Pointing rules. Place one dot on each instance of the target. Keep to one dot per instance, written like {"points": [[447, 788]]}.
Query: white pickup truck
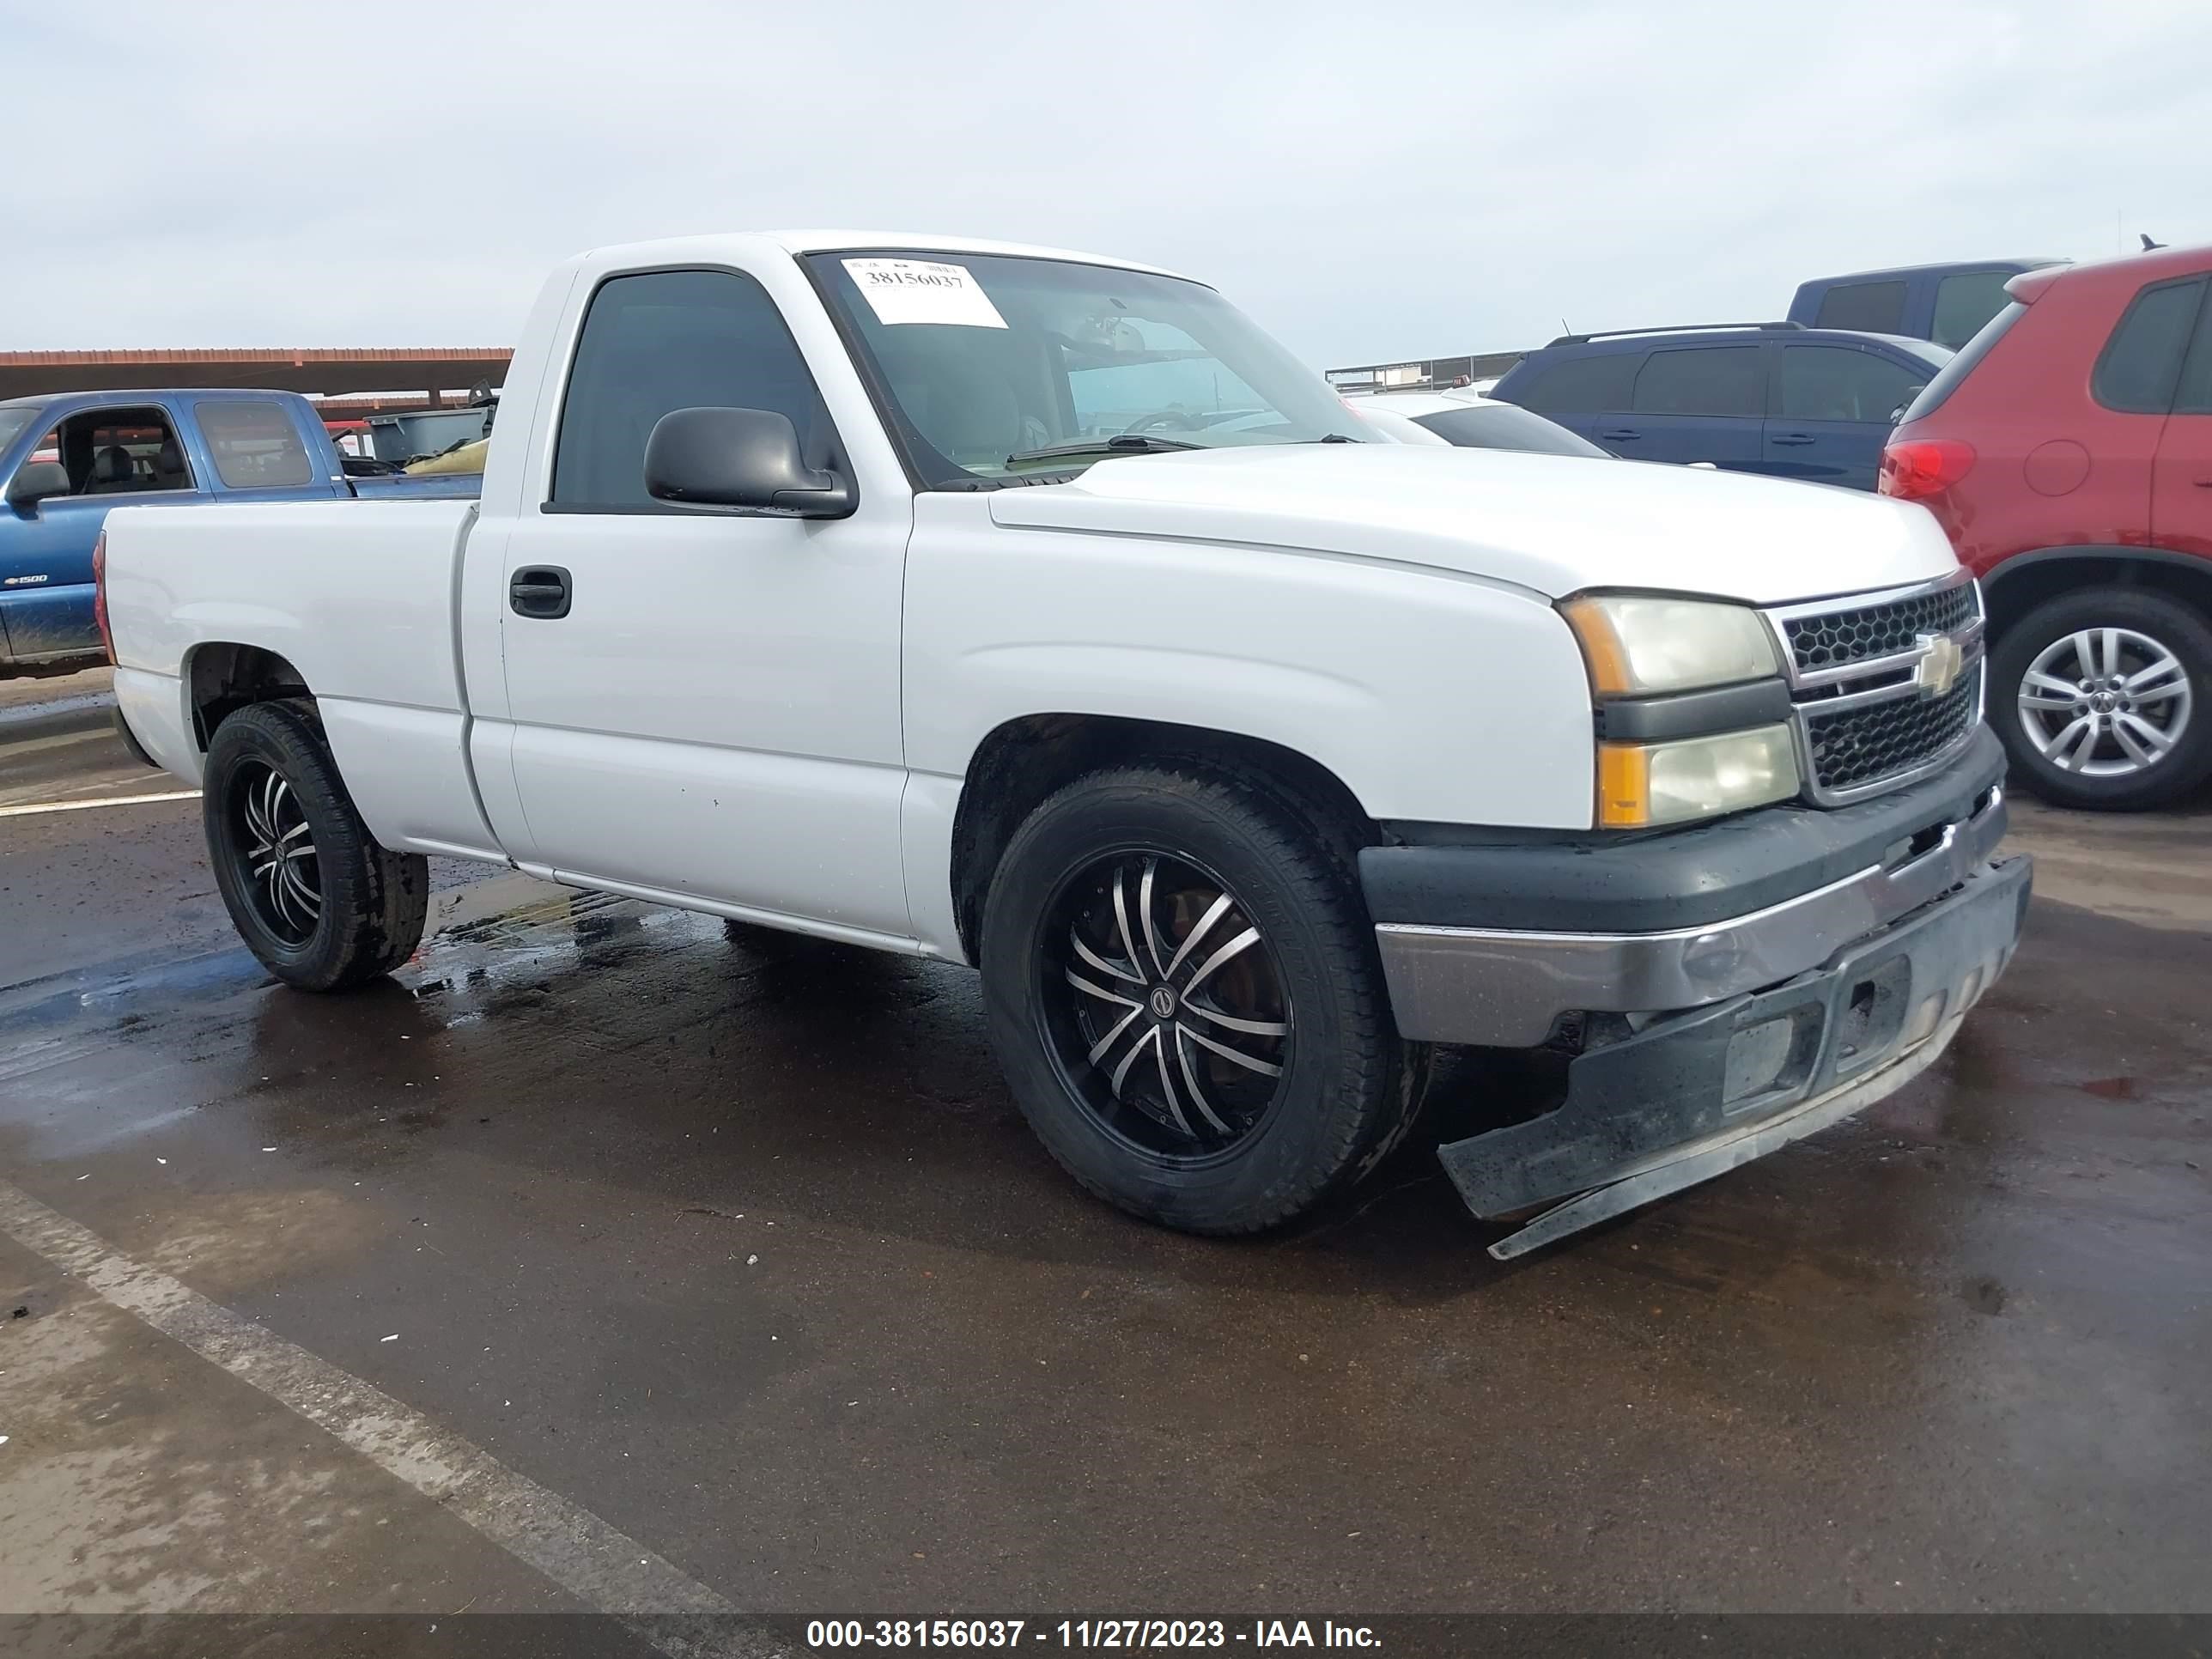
{"points": [[1037, 612]]}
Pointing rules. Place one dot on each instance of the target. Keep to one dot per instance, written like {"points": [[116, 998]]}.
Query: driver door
{"points": [[714, 711]]}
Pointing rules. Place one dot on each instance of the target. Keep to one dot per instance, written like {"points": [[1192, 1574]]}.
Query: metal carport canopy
{"points": [[314, 369]]}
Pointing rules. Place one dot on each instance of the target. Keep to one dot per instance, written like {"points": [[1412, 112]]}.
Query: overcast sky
{"points": [[1372, 180]]}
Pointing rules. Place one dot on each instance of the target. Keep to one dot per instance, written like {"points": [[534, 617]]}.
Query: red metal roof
{"points": [[312, 369]]}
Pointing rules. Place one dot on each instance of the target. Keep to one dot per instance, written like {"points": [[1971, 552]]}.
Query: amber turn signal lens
{"points": [[1624, 786], [1645, 785]]}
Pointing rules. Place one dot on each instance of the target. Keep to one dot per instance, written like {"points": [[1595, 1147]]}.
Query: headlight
{"points": [[1637, 645], [1643, 784]]}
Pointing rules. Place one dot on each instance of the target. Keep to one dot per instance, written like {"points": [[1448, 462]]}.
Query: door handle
{"points": [[539, 591], [1790, 437], [1619, 435]]}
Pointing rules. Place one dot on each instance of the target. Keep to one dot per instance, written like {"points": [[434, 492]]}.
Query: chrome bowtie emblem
{"points": [[1941, 659]]}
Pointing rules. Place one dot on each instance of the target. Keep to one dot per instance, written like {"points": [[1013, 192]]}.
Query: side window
{"points": [[1871, 307], [1965, 302], [666, 340], [2194, 395], [2136, 371], [1579, 386], [254, 445], [118, 451], [1835, 383], [1702, 380]]}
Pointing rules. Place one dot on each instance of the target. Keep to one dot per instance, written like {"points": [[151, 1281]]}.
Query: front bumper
{"points": [[1692, 1096], [1804, 883], [1724, 991]]}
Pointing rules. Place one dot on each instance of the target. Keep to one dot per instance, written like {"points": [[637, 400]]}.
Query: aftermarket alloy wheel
{"points": [[310, 891], [2097, 696], [1169, 1018], [1184, 993], [272, 835]]}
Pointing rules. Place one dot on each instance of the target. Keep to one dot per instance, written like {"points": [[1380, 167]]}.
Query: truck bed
{"points": [[358, 596]]}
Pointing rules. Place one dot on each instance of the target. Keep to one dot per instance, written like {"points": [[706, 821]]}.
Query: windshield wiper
{"points": [[1121, 443]]}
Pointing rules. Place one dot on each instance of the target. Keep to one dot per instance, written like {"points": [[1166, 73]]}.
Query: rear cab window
{"points": [[254, 445], [1868, 307], [1964, 301]]}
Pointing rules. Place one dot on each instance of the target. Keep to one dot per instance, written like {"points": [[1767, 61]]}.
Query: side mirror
{"points": [[35, 482], [741, 459]]}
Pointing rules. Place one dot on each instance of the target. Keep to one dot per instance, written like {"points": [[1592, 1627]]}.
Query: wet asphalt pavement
{"points": [[736, 1245]]}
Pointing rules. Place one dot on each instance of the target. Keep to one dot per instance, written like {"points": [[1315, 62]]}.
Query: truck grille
{"points": [[1884, 689], [1837, 639], [1878, 740]]}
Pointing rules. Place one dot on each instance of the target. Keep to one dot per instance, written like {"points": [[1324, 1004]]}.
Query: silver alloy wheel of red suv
{"points": [[2094, 694]]}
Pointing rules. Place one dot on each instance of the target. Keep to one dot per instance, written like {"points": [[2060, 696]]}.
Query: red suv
{"points": [[2068, 450]]}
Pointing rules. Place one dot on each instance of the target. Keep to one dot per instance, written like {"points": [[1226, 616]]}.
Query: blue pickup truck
{"points": [[1946, 304], [68, 458]]}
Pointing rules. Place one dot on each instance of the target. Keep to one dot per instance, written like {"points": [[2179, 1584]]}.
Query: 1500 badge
{"points": [[22, 581]]}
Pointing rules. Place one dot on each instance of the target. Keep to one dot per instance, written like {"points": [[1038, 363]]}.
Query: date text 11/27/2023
{"points": [[1137, 1633]]}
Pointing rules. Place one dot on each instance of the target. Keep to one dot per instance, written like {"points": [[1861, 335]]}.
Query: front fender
{"points": [[1432, 695]]}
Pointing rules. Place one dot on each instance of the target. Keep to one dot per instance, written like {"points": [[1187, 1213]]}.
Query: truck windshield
{"points": [[12, 422], [984, 362]]}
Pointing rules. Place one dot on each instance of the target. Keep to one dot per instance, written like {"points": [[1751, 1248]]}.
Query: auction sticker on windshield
{"points": [[923, 291]]}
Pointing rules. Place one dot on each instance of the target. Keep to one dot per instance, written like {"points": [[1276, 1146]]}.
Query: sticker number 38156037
{"points": [[923, 291]]}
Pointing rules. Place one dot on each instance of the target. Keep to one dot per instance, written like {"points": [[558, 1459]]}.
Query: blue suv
{"points": [[1780, 398]]}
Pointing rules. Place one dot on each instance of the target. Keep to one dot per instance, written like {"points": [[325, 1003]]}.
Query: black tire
{"points": [[353, 910], [1347, 1088], [2141, 615]]}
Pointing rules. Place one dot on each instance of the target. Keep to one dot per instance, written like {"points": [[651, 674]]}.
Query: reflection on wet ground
{"points": [[737, 1240]]}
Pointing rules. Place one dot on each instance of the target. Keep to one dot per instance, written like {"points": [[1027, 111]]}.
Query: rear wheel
{"points": [[1184, 993], [2097, 695], [310, 891]]}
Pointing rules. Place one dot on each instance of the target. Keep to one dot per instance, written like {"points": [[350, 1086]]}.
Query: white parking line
{"points": [[582, 1554], [60, 740], [28, 808]]}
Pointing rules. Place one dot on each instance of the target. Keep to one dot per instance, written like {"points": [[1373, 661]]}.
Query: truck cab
{"points": [[1946, 303]]}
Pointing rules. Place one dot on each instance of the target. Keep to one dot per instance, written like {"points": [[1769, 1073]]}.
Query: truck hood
{"points": [[1552, 524]]}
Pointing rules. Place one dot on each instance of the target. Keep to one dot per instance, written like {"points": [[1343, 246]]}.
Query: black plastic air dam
{"points": [[1650, 1115], [1679, 878]]}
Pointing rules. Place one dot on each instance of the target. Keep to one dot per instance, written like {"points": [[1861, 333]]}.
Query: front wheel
{"points": [[310, 891], [1184, 993], [2096, 696]]}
